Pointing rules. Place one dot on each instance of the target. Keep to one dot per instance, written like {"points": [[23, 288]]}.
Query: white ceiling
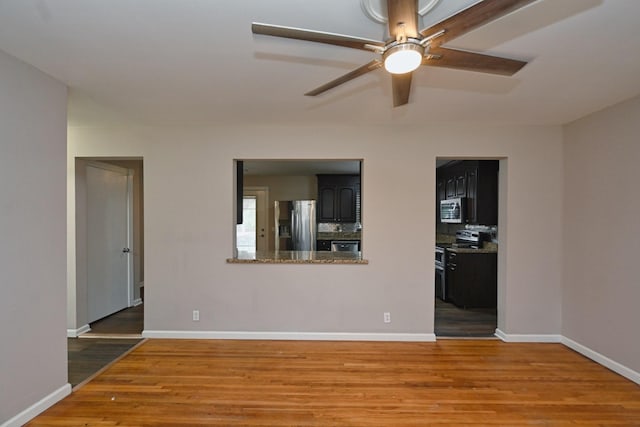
{"points": [[196, 61]]}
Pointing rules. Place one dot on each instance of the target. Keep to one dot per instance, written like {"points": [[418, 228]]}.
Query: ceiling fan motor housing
{"points": [[401, 58]]}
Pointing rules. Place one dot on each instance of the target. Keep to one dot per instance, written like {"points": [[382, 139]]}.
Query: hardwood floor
{"points": [[314, 383], [451, 321]]}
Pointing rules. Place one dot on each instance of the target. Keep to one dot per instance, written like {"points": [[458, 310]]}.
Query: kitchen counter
{"points": [[488, 250], [344, 235], [298, 257]]}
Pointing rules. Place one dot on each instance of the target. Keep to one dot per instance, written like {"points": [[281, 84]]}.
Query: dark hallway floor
{"points": [[451, 321], [129, 321], [86, 357], [108, 339]]}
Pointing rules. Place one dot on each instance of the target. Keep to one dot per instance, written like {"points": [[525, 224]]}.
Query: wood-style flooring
{"points": [[451, 321], [87, 356], [108, 339], [315, 383], [129, 321]]}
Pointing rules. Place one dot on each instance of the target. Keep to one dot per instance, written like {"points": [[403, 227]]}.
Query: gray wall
{"points": [[189, 226], [602, 233], [33, 358]]}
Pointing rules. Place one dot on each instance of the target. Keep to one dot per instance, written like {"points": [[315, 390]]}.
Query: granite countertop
{"points": [[298, 257], [343, 235], [487, 250]]}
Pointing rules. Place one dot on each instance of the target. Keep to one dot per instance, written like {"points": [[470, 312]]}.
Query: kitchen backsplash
{"points": [[332, 227]]}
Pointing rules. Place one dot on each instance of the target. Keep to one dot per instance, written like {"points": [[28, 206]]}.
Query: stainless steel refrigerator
{"points": [[295, 226]]}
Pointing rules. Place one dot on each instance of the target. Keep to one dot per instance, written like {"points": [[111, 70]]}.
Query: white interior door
{"points": [[262, 202], [108, 240]]}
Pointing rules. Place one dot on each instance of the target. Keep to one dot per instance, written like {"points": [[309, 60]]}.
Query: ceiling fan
{"points": [[407, 48]]}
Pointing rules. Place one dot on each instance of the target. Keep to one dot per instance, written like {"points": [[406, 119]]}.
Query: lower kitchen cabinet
{"points": [[323, 245], [472, 279]]}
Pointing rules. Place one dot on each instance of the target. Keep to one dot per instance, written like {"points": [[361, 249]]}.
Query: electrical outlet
{"points": [[387, 317], [196, 315]]}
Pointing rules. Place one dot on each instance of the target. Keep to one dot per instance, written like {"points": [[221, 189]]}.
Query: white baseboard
{"points": [[137, 302], [552, 338], [74, 333], [38, 407], [337, 336], [585, 351], [308, 336], [603, 360]]}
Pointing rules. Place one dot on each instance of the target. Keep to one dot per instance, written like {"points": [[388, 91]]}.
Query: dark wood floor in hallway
{"points": [[86, 356], [129, 321], [314, 383], [108, 339], [452, 321]]}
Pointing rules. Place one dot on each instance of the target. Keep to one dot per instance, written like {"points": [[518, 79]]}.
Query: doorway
{"points": [[106, 297], [467, 244], [252, 235], [110, 245]]}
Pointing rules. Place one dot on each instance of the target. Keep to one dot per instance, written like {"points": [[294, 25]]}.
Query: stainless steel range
{"points": [[471, 239]]}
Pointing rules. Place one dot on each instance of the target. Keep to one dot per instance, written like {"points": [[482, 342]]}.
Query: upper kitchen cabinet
{"points": [[452, 180], [477, 180], [482, 191], [337, 198]]}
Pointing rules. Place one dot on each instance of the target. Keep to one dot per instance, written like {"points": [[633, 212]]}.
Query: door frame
{"points": [[502, 236], [77, 319]]}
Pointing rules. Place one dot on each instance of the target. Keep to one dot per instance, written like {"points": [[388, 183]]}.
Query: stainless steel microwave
{"points": [[452, 210]]}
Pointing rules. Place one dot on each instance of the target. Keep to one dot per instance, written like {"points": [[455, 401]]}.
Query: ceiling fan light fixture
{"points": [[403, 57]]}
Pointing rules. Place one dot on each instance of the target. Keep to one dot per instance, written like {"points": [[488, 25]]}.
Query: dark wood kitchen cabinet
{"points": [[450, 187], [441, 193], [323, 245], [337, 198], [477, 180], [482, 191], [471, 279], [461, 183]]}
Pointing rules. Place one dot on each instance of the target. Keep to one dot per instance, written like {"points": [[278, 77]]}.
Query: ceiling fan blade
{"points": [[373, 65], [403, 18], [314, 36], [473, 17], [401, 86], [464, 60]]}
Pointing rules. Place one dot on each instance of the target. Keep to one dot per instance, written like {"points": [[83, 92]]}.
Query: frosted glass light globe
{"points": [[403, 58]]}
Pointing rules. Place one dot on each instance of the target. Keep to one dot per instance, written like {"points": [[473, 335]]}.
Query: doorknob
{"points": [[126, 250]]}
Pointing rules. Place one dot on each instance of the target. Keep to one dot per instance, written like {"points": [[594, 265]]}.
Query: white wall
{"points": [[189, 226], [33, 357], [601, 234]]}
